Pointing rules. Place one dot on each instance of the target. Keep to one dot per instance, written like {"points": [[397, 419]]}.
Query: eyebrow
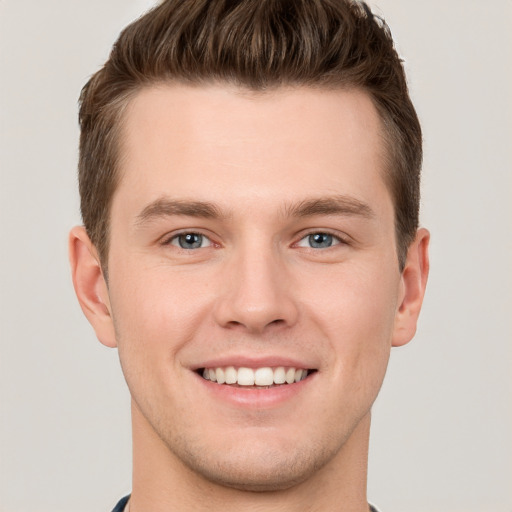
{"points": [[331, 205], [165, 207]]}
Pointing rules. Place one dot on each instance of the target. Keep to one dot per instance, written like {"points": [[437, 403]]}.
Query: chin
{"points": [[258, 469]]}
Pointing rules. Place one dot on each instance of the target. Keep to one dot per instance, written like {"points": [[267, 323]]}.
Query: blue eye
{"points": [[190, 241], [319, 241]]}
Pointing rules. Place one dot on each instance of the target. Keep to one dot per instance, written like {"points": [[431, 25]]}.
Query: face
{"points": [[253, 242]]}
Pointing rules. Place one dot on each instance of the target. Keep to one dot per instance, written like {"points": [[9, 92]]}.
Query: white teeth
{"points": [[279, 375], [219, 373], [231, 375], [265, 376], [290, 375], [245, 377]]}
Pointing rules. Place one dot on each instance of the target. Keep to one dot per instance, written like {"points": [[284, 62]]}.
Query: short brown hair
{"points": [[259, 45]]}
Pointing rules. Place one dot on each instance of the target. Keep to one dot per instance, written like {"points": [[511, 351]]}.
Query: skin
{"points": [[255, 289]]}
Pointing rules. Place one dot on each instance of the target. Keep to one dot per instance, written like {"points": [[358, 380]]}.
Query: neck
{"points": [[163, 483]]}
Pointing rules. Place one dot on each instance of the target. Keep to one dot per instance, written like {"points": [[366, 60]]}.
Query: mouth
{"points": [[255, 378]]}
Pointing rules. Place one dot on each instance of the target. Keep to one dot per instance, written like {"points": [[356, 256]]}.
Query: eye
{"points": [[190, 241], [319, 240]]}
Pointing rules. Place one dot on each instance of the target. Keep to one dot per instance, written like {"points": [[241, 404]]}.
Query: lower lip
{"points": [[257, 398]]}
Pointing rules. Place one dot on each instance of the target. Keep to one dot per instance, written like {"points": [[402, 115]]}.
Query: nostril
{"points": [[255, 326]]}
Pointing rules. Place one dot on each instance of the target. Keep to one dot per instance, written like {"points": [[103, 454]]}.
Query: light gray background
{"points": [[442, 428]]}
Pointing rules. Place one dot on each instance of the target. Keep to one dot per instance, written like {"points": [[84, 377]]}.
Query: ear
{"points": [[412, 289], [90, 285]]}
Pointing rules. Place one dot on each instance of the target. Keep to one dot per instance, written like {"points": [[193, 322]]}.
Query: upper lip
{"points": [[239, 361]]}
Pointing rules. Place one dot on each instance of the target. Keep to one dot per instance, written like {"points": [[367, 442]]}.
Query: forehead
{"points": [[225, 143]]}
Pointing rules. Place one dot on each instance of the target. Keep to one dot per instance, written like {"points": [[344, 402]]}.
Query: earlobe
{"points": [[413, 284], [90, 286]]}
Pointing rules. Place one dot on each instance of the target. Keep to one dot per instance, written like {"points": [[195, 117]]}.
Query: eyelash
{"points": [[176, 238], [336, 240]]}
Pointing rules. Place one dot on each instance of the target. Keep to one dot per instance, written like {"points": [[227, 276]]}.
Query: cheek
{"points": [[156, 312], [352, 299], [356, 313], [154, 318]]}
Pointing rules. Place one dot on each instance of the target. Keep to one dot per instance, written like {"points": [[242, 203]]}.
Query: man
{"points": [[249, 177]]}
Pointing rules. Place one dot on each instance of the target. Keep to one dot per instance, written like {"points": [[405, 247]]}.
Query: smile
{"points": [[257, 377]]}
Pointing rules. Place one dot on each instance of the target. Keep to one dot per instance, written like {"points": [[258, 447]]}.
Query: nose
{"points": [[257, 292]]}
